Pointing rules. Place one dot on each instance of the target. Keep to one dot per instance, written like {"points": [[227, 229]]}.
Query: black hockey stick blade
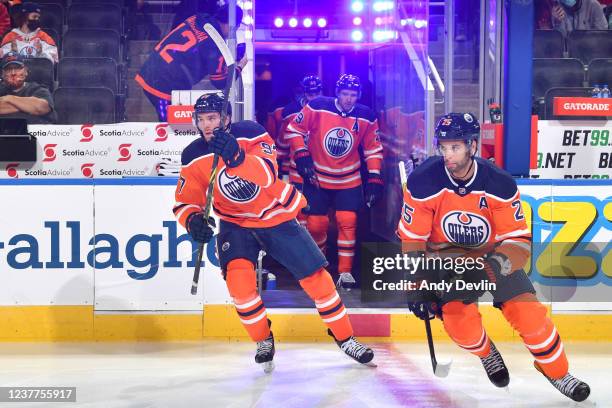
{"points": [[439, 369]]}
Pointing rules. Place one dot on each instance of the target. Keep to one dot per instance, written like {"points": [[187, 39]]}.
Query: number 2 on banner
{"points": [[191, 41]]}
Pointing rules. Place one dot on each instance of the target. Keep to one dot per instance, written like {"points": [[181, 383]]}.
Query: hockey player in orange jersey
{"points": [[313, 88], [325, 138], [458, 204], [257, 211]]}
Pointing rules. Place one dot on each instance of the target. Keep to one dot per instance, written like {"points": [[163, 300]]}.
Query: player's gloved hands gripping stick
{"points": [[198, 229], [226, 146]]}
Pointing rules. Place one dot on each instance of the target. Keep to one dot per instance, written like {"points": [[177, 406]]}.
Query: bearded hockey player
{"points": [[458, 205]]}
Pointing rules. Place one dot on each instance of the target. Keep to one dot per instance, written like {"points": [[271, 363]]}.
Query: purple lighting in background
{"points": [[357, 6], [379, 6], [278, 22], [420, 23], [293, 22], [357, 35], [322, 22], [307, 22], [357, 21]]}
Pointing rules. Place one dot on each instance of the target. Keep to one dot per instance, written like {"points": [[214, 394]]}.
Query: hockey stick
{"points": [[440, 369], [231, 68]]}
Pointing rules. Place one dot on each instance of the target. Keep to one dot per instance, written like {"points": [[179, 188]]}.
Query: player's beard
{"points": [[462, 168]]}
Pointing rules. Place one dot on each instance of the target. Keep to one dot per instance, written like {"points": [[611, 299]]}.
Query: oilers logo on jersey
{"points": [[236, 189], [338, 142], [465, 228]]}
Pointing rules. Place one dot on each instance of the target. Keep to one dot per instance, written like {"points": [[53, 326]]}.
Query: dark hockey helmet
{"points": [[211, 102], [222, 14], [312, 84], [349, 81], [457, 126]]}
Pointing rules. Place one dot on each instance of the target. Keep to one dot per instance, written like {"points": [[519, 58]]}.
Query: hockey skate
{"points": [[355, 350], [568, 385], [496, 368], [265, 354], [346, 281]]}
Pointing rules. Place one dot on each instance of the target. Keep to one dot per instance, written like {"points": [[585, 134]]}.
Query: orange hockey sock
{"points": [[317, 226], [463, 324], [347, 231], [242, 286], [320, 287], [528, 317]]}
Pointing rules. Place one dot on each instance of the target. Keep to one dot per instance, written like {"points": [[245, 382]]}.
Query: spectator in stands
{"points": [[569, 15], [28, 39], [21, 99]]}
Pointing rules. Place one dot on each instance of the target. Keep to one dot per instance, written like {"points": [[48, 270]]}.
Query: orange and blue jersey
{"points": [[183, 58], [333, 138], [250, 195], [289, 113], [478, 215]]}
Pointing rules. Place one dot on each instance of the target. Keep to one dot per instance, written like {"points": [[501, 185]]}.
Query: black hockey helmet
{"points": [[350, 82], [210, 102], [312, 84], [222, 14], [457, 126]]}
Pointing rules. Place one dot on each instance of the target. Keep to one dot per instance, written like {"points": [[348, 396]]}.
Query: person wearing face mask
{"points": [[28, 39], [570, 15], [21, 99]]}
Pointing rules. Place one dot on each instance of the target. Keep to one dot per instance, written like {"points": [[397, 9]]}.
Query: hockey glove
{"points": [[226, 146], [305, 167], [497, 266], [198, 229], [426, 310], [373, 189]]}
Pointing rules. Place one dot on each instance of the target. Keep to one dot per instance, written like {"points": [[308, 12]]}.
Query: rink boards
{"points": [[103, 259]]}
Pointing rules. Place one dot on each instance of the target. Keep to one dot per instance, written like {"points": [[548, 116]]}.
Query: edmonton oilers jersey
{"points": [[333, 139], [482, 212], [289, 113], [250, 195]]}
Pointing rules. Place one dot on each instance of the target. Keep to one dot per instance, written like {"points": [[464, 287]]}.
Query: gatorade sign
{"points": [[566, 106], [180, 114]]}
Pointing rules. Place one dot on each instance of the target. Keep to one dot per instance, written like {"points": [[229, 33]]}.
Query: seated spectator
{"points": [[21, 99], [570, 15], [28, 39]]}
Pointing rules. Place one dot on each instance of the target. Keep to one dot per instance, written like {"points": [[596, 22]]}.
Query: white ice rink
{"points": [[223, 374]]}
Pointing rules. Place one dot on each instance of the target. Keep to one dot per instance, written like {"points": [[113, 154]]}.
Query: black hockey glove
{"points": [[426, 310], [425, 304], [198, 229], [373, 189], [226, 146], [305, 167]]}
